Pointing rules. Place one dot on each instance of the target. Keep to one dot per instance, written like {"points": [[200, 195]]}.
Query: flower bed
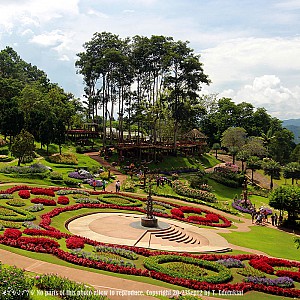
{"points": [[24, 194], [181, 189], [44, 201], [74, 242], [63, 200], [43, 191]]}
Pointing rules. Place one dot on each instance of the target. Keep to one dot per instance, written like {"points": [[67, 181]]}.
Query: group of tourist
{"points": [[260, 217]]}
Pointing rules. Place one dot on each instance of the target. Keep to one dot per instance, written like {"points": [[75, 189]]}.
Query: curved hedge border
{"points": [[153, 263], [25, 215], [113, 199]]}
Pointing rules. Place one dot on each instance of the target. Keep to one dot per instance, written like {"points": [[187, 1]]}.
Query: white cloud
{"points": [[14, 13], [267, 91], [52, 38]]}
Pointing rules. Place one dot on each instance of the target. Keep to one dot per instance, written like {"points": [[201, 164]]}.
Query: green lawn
{"points": [[271, 241]]}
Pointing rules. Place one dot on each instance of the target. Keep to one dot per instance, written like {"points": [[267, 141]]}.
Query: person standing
{"points": [[94, 185], [118, 186], [275, 219], [103, 184]]}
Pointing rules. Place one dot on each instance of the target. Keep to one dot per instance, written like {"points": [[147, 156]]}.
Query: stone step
{"points": [[164, 231], [183, 239], [183, 235]]}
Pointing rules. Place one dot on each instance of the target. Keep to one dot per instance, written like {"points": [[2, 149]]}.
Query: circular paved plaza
{"points": [[126, 229]]}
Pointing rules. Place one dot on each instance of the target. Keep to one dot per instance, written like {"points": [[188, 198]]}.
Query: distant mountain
{"points": [[294, 126]]}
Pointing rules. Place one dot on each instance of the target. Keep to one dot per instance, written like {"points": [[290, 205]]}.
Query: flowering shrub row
{"points": [[181, 189], [44, 201], [210, 219], [43, 191], [285, 282]]}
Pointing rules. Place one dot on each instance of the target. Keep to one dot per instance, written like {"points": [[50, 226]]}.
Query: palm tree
{"points": [[271, 168], [216, 147], [253, 163]]}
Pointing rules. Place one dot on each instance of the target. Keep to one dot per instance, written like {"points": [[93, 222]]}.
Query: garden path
{"points": [[119, 175], [259, 178]]}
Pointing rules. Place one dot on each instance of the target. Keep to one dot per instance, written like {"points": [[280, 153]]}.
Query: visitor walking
{"points": [[103, 184], [94, 185], [118, 186]]}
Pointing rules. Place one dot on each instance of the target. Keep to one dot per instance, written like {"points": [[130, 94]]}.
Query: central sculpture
{"points": [[149, 220]]}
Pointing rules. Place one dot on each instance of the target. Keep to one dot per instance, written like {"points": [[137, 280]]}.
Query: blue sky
{"points": [[250, 49]]}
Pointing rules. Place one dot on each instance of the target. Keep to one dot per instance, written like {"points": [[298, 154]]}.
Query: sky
{"points": [[250, 49]]}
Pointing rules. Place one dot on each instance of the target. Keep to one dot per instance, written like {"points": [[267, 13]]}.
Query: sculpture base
{"points": [[146, 222]]}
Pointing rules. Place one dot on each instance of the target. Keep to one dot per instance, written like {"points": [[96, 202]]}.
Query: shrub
{"points": [[6, 196], [16, 202], [43, 191], [63, 200], [68, 159], [70, 182], [51, 282], [24, 194], [56, 176], [14, 284], [44, 201], [12, 233], [74, 242], [177, 212], [35, 207]]}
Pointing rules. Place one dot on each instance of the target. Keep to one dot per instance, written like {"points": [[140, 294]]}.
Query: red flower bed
{"points": [[24, 194], [63, 200], [42, 245], [74, 242], [43, 191], [47, 202], [12, 233], [177, 212]]}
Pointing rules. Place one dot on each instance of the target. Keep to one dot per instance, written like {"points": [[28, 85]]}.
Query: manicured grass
{"points": [[271, 241], [209, 160], [223, 192]]}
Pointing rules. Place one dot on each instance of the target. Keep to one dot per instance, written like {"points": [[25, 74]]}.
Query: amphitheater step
{"points": [[164, 231], [183, 235]]}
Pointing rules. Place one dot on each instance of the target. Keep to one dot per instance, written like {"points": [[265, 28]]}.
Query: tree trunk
{"points": [[271, 183]]}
